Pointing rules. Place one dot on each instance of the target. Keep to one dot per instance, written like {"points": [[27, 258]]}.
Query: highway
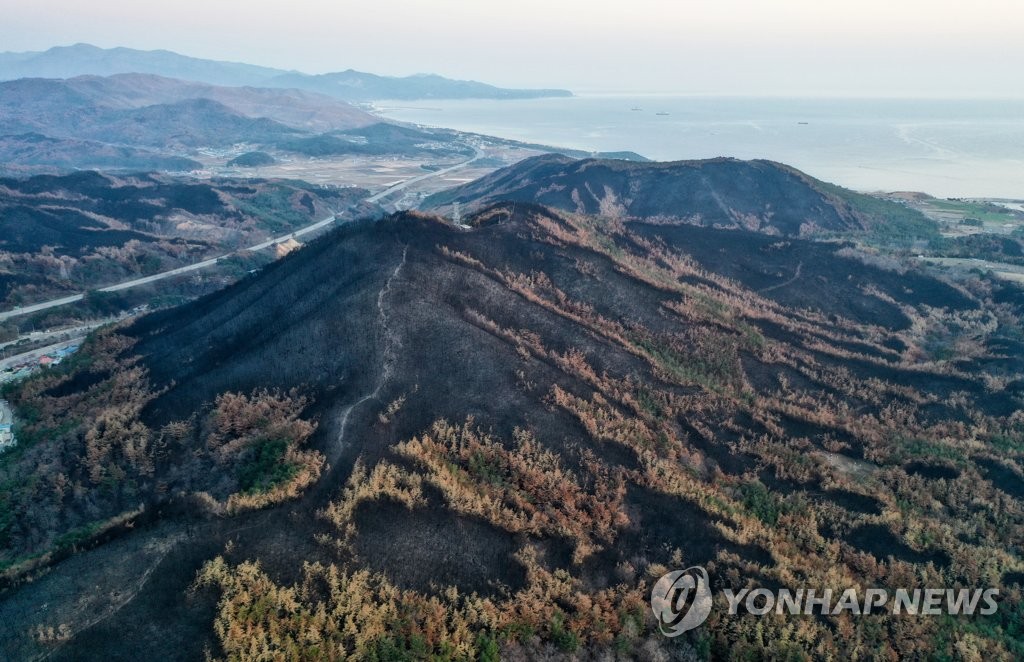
{"points": [[55, 335], [164, 274], [416, 180], [63, 301]]}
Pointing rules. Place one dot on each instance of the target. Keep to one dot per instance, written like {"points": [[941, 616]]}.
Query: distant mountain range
{"points": [[149, 122], [294, 108], [85, 59], [77, 109], [81, 107], [358, 86], [37, 102]]}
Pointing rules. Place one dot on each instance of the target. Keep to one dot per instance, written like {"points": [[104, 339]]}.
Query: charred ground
{"points": [[763, 196], [63, 234], [517, 425]]}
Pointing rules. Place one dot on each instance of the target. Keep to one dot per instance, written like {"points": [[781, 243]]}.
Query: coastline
{"points": [[951, 148]]}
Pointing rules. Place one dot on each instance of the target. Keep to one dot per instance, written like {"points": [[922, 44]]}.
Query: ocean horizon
{"points": [[967, 148]]}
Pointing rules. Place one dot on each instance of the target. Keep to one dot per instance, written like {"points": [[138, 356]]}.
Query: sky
{"points": [[911, 48]]}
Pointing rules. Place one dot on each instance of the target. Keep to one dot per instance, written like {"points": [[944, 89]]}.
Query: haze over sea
{"points": [[948, 148]]}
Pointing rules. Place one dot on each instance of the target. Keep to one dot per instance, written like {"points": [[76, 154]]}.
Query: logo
{"points": [[681, 600]]}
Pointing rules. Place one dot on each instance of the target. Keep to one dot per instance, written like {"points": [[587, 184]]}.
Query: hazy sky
{"points": [[832, 47]]}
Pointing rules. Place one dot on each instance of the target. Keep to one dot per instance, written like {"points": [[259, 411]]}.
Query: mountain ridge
{"points": [[176, 118], [722, 192], [296, 108], [515, 427], [29, 153], [32, 102], [351, 85]]}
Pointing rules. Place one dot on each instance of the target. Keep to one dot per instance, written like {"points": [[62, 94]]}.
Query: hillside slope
{"points": [[496, 438], [727, 193], [150, 120], [30, 153], [294, 108], [68, 109], [72, 233]]}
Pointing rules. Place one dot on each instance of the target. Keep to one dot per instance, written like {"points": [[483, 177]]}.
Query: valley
{"points": [[83, 246]]}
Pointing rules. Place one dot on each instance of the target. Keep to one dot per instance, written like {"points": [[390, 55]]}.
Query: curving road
{"points": [[63, 301]]}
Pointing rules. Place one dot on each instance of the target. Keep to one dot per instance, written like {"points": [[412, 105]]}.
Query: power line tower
{"points": [[456, 214]]}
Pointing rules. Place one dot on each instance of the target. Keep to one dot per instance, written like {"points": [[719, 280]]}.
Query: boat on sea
{"points": [[635, 108], [662, 113]]}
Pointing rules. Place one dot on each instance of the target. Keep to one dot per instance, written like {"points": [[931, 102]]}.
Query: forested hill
{"points": [[764, 196], [409, 439]]}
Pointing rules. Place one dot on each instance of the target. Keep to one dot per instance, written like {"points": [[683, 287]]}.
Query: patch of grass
{"points": [[401, 649], [761, 503], [168, 301], [751, 337], [77, 536], [274, 209], [649, 403], [983, 212], [518, 631], [487, 648], [905, 449], [481, 467], [889, 222], [709, 369], [1007, 443], [29, 435], [106, 304], [564, 638], [266, 467]]}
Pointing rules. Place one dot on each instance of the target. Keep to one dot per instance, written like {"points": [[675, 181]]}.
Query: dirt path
{"points": [[387, 365], [796, 276], [77, 591]]}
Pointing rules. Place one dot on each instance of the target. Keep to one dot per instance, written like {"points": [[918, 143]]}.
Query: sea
{"points": [[947, 148]]}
